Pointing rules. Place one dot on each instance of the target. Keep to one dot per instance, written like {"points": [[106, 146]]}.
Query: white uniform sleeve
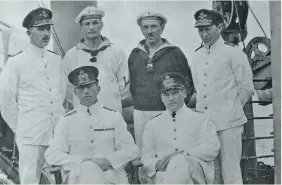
{"points": [[149, 157], [59, 146], [243, 75], [209, 145], [126, 149], [123, 75], [9, 83]]}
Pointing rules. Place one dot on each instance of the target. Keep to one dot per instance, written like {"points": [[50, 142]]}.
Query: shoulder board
{"points": [[70, 113], [16, 54], [156, 116], [230, 44], [109, 109], [199, 48], [195, 110], [52, 52]]}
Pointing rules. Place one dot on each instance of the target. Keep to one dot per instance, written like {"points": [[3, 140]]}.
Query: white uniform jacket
{"points": [[113, 73], [191, 132], [32, 92], [100, 133], [224, 83]]}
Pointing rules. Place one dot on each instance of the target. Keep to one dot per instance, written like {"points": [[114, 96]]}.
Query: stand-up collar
{"points": [[179, 112], [218, 43], [92, 109], [40, 52]]}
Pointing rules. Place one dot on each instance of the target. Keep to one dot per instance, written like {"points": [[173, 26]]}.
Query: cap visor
{"points": [[172, 87], [42, 24], [86, 83]]}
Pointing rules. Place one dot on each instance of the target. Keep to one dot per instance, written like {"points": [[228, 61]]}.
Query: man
{"points": [[179, 144], [153, 56], [91, 143], [96, 50], [32, 95], [223, 81]]}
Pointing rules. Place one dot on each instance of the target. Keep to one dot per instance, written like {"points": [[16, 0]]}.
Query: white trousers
{"points": [[31, 162], [181, 169], [90, 173], [227, 163], [141, 118]]}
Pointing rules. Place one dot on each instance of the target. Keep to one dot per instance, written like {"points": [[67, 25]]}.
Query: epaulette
{"points": [[109, 109], [52, 52], [70, 113], [16, 54], [156, 116], [199, 48], [195, 110], [230, 44]]}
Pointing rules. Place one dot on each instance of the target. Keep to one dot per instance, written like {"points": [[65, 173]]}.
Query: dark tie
{"points": [[173, 114], [89, 112]]}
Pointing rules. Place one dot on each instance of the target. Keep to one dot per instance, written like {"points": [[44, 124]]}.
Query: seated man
{"points": [[91, 143], [179, 144]]}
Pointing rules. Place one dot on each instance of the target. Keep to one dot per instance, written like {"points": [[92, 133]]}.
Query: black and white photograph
{"points": [[140, 92]]}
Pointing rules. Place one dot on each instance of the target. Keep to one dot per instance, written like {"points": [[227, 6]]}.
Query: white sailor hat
{"points": [[151, 15], [90, 12]]}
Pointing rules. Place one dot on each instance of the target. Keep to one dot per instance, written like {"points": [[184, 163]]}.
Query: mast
{"points": [[275, 27]]}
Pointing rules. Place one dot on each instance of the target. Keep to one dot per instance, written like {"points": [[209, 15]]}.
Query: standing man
{"points": [[32, 95], [179, 144], [152, 57], [96, 50], [224, 83], [91, 143]]}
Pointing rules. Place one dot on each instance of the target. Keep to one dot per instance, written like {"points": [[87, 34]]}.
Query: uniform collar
{"points": [[37, 50], [218, 43], [165, 44], [105, 42], [92, 109], [178, 113]]}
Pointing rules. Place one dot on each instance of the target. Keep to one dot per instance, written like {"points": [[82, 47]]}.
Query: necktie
{"points": [[89, 112], [173, 114]]}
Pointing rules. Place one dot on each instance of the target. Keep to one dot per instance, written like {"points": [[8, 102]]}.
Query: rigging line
{"points": [[241, 34], [256, 19]]}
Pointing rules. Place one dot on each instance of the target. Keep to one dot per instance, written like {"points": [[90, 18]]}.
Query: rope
{"points": [[256, 19], [236, 8]]}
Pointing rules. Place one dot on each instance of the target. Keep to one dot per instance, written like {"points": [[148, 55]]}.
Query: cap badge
{"points": [[168, 81], [83, 77], [202, 16], [44, 14]]}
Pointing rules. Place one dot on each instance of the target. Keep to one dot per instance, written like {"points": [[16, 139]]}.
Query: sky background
{"points": [[121, 28]]}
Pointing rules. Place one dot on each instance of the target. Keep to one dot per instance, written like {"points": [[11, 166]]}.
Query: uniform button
{"points": [[91, 127], [175, 138], [173, 120], [205, 85], [50, 89], [176, 149], [205, 96], [206, 63], [51, 102], [206, 108], [92, 141], [205, 74], [47, 78], [51, 114], [45, 66], [174, 130]]}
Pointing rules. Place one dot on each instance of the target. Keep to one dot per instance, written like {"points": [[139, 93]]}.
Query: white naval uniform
{"points": [[223, 80], [190, 132], [32, 92], [113, 73], [100, 133]]}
